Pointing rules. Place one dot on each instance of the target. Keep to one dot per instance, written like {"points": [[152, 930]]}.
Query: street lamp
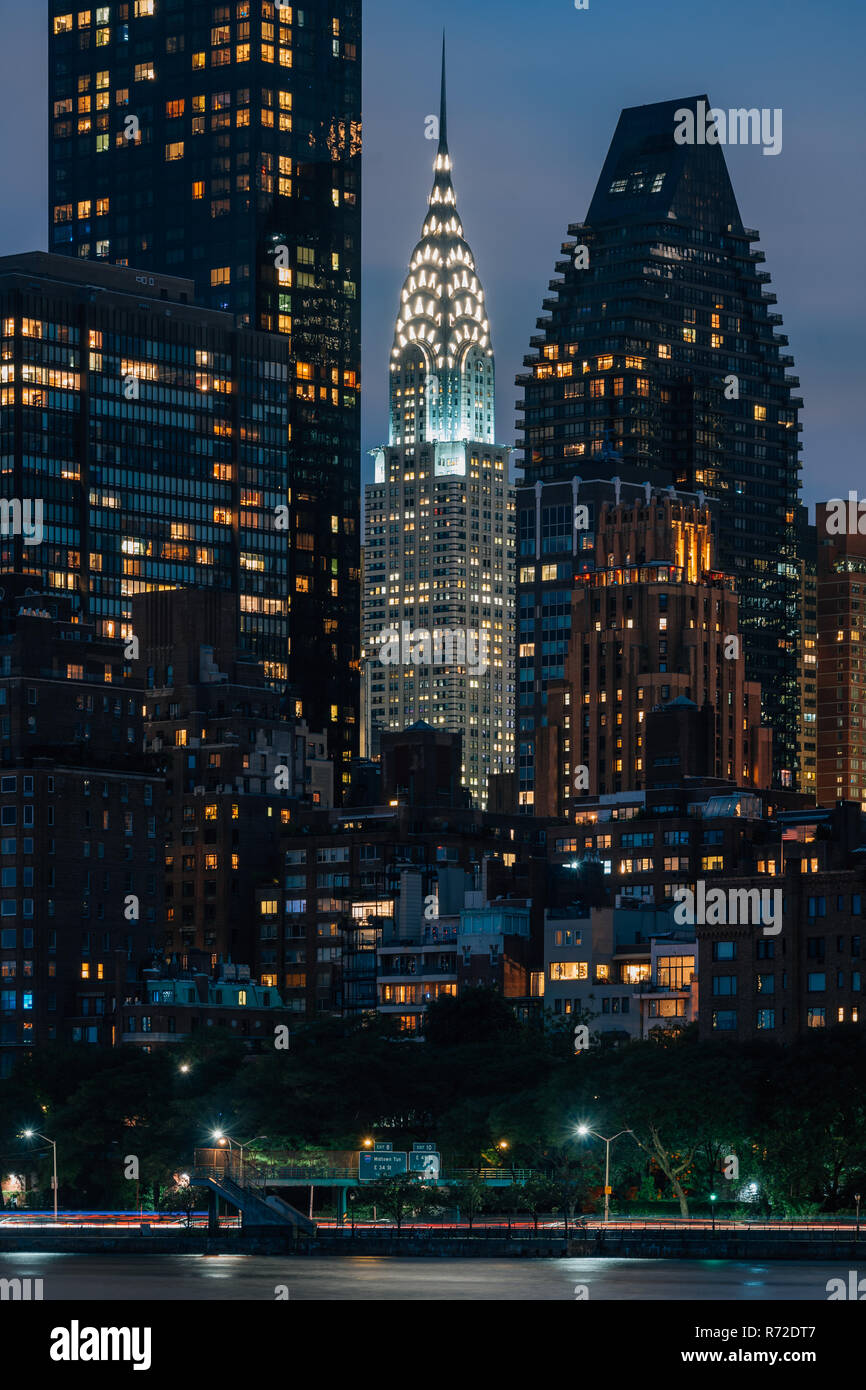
{"points": [[713, 1200], [502, 1146], [857, 1200], [583, 1130], [28, 1134], [351, 1194], [223, 1138]]}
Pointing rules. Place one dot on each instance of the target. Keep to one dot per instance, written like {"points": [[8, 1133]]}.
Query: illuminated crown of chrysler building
{"points": [[442, 370]]}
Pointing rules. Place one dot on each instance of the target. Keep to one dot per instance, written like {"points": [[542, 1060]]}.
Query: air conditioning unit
{"points": [[198, 791]]}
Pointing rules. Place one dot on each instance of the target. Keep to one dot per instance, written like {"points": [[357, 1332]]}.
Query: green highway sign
{"points": [[374, 1167], [426, 1163]]}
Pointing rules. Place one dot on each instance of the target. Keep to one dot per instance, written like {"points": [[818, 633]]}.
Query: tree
{"points": [[537, 1195], [470, 1197], [478, 1015], [675, 1095], [399, 1196]]}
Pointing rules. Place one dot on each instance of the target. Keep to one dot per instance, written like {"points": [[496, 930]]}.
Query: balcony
{"points": [[649, 989]]}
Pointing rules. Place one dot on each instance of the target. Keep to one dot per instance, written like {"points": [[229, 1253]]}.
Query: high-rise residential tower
{"points": [[653, 627], [841, 623], [659, 360], [221, 143], [439, 528]]}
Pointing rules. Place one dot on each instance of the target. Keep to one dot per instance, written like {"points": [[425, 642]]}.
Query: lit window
{"points": [[174, 150], [221, 275]]}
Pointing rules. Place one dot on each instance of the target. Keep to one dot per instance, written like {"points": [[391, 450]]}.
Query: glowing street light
{"points": [[223, 1138], [29, 1134], [583, 1131]]}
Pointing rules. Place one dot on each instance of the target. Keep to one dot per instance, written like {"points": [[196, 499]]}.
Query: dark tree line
{"points": [[792, 1118]]}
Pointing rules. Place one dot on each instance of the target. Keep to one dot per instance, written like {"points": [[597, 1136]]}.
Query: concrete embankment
{"points": [[269, 1242], [672, 1244], [678, 1244]]}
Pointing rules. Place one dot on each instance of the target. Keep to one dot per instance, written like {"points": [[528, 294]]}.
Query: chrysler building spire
{"points": [[442, 370], [443, 122]]}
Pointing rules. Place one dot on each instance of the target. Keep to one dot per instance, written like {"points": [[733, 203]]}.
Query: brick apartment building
{"points": [[236, 767], [808, 975], [81, 816], [398, 870], [169, 1006], [841, 605], [685, 823], [651, 623]]}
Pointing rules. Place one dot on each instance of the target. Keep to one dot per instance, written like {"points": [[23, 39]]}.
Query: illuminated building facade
{"points": [[652, 624], [82, 815], [439, 529], [841, 663], [808, 656], [659, 357], [236, 769], [154, 432], [221, 142]]}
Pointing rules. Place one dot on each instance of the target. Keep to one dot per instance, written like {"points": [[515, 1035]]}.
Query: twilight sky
{"points": [[534, 95]]}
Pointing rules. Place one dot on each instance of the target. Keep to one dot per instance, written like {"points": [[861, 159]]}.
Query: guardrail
{"points": [[591, 1227]]}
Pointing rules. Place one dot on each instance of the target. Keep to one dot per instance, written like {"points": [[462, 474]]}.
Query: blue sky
{"points": [[534, 96]]}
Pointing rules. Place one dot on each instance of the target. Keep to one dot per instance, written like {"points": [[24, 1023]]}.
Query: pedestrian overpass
{"points": [[243, 1184], [230, 1174]]}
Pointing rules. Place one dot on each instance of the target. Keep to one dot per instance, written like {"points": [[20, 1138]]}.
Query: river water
{"points": [[260, 1277]]}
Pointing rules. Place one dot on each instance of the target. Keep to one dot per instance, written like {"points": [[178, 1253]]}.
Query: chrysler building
{"points": [[439, 582]]}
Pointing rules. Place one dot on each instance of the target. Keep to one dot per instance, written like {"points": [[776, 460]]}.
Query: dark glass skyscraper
{"points": [[222, 143], [660, 361], [120, 413]]}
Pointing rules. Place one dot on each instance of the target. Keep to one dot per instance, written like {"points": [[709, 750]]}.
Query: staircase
{"points": [[249, 1196]]}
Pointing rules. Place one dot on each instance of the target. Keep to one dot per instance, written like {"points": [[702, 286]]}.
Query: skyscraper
{"points": [[439, 530], [841, 608], [659, 360], [152, 432], [82, 815], [807, 547], [654, 625], [222, 143]]}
